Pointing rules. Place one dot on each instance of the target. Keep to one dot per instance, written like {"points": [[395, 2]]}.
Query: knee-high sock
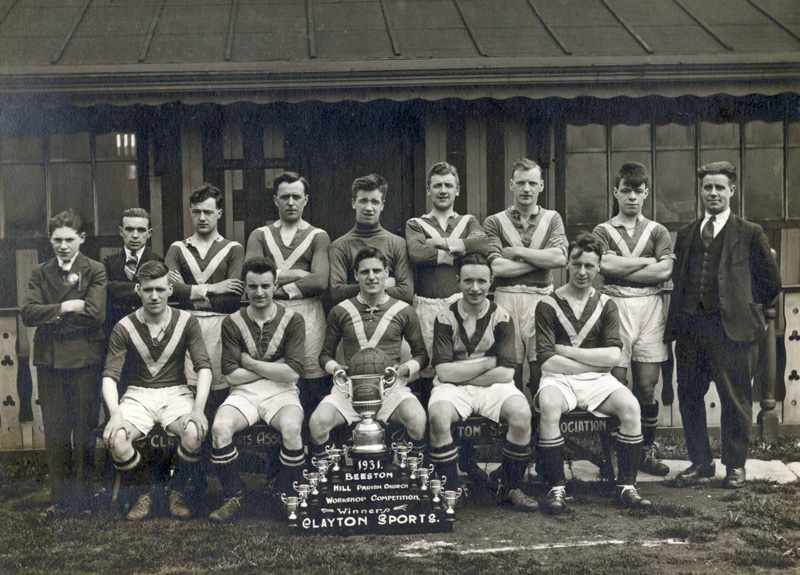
{"points": [[550, 461], [418, 446], [629, 449], [225, 462], [445, 464], [187, 466], [133, 473], [515, 461], [649, 422], [293, 461]]}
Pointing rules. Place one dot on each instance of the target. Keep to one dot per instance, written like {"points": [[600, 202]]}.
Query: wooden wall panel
{"points": [[10, 429]]}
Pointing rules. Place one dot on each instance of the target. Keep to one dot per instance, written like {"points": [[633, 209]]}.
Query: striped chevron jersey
{"points": [[598, 326], [283, 337], [136, 359], [493, 337], [384, 327]]}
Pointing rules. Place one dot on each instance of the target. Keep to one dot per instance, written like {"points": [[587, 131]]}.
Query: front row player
{"points": [[263, 347], [578, 343], [146, 351], [474, 353], [372, 319]]}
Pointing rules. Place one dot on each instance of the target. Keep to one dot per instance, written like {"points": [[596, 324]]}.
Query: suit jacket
{"points": [[71, 340], [122, 298], [748, 277]]}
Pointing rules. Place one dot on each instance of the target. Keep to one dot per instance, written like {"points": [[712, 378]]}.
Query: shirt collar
{"points": [[721, 219], [431, 216], [516, 214], [618, 224], [137, 255], [383, 300], [68, 265], [278, 224], [188, 241]]}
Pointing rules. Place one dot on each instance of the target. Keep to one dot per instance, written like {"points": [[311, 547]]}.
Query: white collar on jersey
{"points": [[383, 300], [278, 224], [188, 241], [618, 224]]}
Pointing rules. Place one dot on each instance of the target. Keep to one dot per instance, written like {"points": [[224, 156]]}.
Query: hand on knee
{"points": [[122, 449], [189, 439]]}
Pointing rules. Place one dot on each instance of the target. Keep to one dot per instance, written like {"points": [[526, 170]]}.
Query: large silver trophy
{"points": [[371, 378]]}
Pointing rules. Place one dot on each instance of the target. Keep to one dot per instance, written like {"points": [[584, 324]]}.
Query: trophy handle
{"points": [[283, 497], [329, 448], [389, 379], [305, 473], [294, 485], [341, 381], [443, 479]]}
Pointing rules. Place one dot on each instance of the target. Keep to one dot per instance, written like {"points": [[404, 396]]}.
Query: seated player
{"points": [[146, 351], [474, 354], [263, 347], [372, 319], [578, 343]]}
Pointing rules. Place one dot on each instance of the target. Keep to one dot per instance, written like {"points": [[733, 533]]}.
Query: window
{"points": [[675, 174], [22, 182], [586, 174]]}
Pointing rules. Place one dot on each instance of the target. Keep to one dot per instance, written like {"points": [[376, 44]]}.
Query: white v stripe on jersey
{"points": [[252, 349], [155, 366], [202, 276], [434, 233], [623, 246], [294, 256], [383, 324], [574, 337], [537, 239], [509, 231]]}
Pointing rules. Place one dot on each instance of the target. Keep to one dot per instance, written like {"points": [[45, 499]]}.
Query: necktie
{"points": [[708, 232], [130, 268]]}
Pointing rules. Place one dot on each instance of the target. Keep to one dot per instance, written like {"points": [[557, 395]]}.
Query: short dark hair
{"points": [[634, 174], [135, 213], [472, 260], [369, 183], [524, 164], [65, 219], [203, 193], [258, 265], [152, 270], [367, 253], [289, 178], [443, 169], [714, 168], [586, 243]]}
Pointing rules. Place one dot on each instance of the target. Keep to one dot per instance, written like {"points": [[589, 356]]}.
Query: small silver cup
{"points": [[437, 485], [424, 474], [313, 481], [413, 465], [335, 455], [291, 504], [450, 498], [303, 492], [322, 464], [401, 450]]}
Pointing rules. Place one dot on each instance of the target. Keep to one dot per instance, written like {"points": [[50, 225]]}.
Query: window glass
{"points": [[71, 187], [762, 175], [587, 201], [116, 146], [793, 171], [70, 147], [117, 190], [22, 149], [24, 200], [676, 174]]}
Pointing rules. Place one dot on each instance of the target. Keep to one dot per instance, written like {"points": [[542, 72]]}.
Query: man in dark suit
{"points": [[66, 301], [121, 267], [724, 275]]}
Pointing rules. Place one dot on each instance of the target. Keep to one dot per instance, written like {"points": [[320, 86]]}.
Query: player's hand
{"points": [[115, 424], [390, 283], [510, 253], [72, 306], [197, 417], [227, 286], [176, 277], [438, 243], [403, 371]]}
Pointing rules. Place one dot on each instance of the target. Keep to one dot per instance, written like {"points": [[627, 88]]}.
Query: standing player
{"points": [[526, 241], [146, 351], [372, 319], [262, 358], [368, 195], [300, 252], [577, 336], [475, 357], [207, 271], [637, 259]]}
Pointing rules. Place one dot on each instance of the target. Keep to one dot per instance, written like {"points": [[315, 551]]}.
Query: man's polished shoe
{"points": [[520, 501], [555, 502], [735, 478], [629, 497], [698, 471]]}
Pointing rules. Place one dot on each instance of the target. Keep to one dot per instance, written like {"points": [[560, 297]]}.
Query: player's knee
{"points": [[190, 440], [519, 419], [629, 413], [550, 407], [221, 432], [319, 425], [416, 423], [292, 430], [440, 422], [122, 446]]}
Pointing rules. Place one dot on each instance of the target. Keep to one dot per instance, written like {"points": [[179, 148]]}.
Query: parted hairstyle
{"points": [[443, 169], [472, 260], [369, 183], [258, 265], [714, 168], [152, 270], [203, 193], [65, 219], [524, 164], [586, 243], [135, 213], [367, 253], [634, 174], [289, 178]]}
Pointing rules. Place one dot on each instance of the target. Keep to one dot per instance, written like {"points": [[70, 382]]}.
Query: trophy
{"points": [[370, 380], [413, 466], [291, 506], [303, 492], [450, 498], [313, 481], [436, 488], [335, 455], [424, 475], [401, 450], [322, 464]]}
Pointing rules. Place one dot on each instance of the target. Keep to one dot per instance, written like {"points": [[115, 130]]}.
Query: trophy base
{"points": [[368, 440]]}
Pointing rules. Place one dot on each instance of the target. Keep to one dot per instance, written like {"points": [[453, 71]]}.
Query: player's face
{"points": [[135, 232], [526, 185], [371, 276], [205, 216], [630, 198], [368, 207], [716, 192], [443, 191], [583, 267], [290, 200], [66, 242], [259, 289], [155, 294], [474, 282]]}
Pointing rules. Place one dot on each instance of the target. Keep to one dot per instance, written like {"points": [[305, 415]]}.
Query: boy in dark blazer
{"points": [[66, 301]]}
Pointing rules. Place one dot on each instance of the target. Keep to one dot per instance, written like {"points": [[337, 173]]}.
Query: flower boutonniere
{"points": [[74, 278]]}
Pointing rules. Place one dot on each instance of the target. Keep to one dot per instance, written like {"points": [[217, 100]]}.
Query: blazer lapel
{"points": [[81, 267], [687, 241], [732, 237]]}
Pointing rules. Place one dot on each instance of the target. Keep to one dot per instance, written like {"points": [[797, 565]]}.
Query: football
{"points": [[369, 361]]}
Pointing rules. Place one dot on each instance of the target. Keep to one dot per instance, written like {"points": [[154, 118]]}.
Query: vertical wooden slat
{"points": [[790, 256], [477, 182], [791, 403], [26, 260], [10, 429], [228, 213], [38, 421]]}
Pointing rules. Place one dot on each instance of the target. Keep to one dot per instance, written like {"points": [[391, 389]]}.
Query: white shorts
{"points": [[211, 328], [312, 313], [468, 399], [144, 407], [522, 307], [391, 401], [641, 328], [584, 390], [427, 309], [262, 399]]}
